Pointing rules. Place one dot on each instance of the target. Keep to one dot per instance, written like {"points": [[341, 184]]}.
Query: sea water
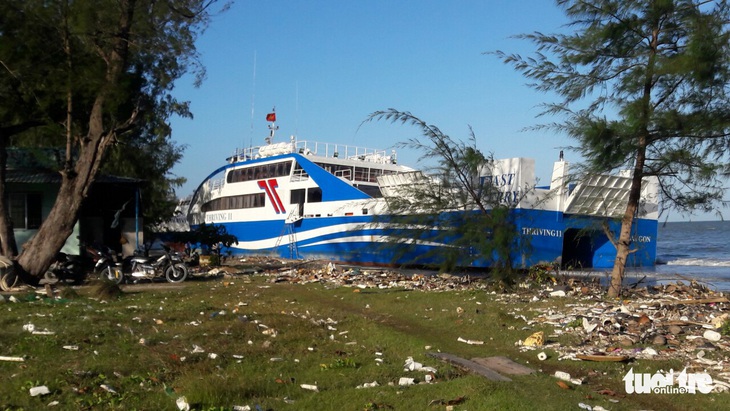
{"points": [[697, 250], [686, 251]]}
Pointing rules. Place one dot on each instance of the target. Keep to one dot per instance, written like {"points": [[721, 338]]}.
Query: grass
{"points": [[259, 341]]}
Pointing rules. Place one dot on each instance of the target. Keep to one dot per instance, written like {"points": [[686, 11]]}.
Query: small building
{"points": [[110, 214]]}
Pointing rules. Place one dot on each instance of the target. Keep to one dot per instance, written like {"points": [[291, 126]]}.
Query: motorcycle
{"points": [[106, 265], [169, 265], [67, 268]]}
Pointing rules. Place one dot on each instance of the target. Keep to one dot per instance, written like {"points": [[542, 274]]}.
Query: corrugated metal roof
{"points": [[53, 177]]}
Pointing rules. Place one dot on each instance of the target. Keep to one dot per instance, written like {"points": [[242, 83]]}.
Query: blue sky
{"points": [[326, 65]]}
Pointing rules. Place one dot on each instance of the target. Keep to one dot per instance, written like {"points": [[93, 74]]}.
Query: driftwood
{"points": [[602, 358]]}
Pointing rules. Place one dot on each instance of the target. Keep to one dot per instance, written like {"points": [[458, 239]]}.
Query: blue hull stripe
{"points": [[358, 239]]}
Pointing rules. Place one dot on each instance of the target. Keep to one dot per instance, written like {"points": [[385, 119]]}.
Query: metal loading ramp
{"points": [[600, 195], [390, 183]]}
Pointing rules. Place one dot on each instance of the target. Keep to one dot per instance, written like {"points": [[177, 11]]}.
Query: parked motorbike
{"points": [[107, 265], [169, 265], [67, 268]]}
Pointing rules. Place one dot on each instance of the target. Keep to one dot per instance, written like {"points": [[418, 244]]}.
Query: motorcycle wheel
{"points": [[51, 276], [176, 273], [111, 274]]}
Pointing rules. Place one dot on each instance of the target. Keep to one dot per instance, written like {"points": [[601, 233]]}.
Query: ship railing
{"points": [[299, 175], [333, 150], [216, 184], [346, 151], [242, 154]]}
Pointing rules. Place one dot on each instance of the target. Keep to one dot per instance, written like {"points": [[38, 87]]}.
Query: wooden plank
{"points": [[503, 365], [469, 365]]}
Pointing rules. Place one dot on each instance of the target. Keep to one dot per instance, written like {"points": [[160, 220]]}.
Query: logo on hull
{"points": [[270, 187]]}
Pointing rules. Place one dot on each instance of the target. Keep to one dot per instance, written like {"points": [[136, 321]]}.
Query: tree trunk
{"points": [[8, 246], [39, 253], [623, 248]]}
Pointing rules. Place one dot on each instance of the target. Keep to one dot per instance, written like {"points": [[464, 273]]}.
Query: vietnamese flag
{"points": [[271, 117]]}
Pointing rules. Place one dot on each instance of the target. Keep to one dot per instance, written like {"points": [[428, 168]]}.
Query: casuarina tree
{"points": [[453, 203], [642, 85], [89, 73]]}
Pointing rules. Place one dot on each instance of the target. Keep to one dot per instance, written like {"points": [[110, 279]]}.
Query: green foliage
{"points": [[644, 87], [655, 77], [88, 75], [208, 235], [339, 364], [457, 205], [542, 273], [725, 328]]}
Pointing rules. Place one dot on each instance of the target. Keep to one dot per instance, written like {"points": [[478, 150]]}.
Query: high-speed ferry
{"points": [[308, 200]]}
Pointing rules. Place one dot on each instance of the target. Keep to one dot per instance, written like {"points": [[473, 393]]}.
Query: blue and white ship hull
{"points": [[324, 201]]}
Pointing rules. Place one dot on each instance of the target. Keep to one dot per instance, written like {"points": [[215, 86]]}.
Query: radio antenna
{"points": [[253, 99]]}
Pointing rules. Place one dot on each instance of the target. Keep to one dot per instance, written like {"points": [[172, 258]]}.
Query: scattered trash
{"points": [[660, 322], [542, 356], [471, 342], [589, 326], [182, 404], [39, 390], [562, 375], [270, 332], [368, 385], [108, 389], [535, 340], [309, 387], [711, 335], [411, 365], [406, 381], [12, 359], [71, 347]]}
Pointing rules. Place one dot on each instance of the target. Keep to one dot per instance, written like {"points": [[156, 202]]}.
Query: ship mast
{"points": [[271, 117]]}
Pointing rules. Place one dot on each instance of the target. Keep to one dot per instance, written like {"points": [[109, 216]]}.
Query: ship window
{"points": [[374, 174], [297, 196], [372, 191], [361, 174], [236, 202], [314, 195], [343, 171], [299, 173], [280, 169]]}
